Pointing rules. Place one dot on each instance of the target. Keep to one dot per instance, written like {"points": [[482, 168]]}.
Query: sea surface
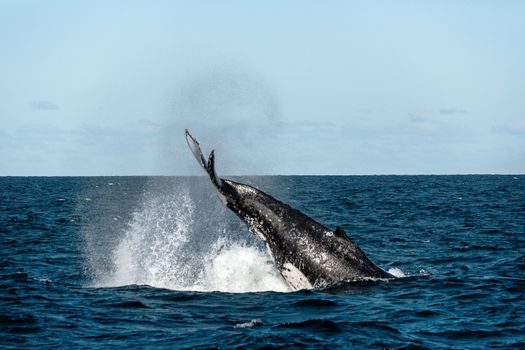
{"points": [[159, 263]]}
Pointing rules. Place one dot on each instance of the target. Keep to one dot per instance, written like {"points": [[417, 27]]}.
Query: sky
{"points": [[275, 87]]}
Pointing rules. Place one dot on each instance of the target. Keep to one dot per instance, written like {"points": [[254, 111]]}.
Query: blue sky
{"points": [[276, 87]]}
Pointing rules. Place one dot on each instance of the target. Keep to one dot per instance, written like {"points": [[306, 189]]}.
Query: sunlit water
{"points": [[160, 263]]}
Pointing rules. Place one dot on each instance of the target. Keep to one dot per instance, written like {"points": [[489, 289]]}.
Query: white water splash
{"points": [[240, 268], [396, 272], [160, 249]]}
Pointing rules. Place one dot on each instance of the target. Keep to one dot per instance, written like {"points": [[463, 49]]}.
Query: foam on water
{"points": [[160, 248], [239, 268], [396, 272], [251, 324]]}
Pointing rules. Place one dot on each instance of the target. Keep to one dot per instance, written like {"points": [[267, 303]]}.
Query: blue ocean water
{"points": [[138, 262]]}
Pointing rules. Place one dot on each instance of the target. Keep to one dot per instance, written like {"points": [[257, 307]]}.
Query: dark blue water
{"points": [[114, 261]]}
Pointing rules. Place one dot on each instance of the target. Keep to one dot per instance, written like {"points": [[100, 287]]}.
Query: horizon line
{"points": [[283, 175]]}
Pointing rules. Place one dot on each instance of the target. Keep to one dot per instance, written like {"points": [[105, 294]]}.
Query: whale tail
{"points": [[209, 165]]}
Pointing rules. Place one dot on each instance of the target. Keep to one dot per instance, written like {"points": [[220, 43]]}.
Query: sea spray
{"points": [[150, 250], [177, 240], [240, 268]]}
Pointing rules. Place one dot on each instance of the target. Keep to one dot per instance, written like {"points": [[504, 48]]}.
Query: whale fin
{"points": [[339, 232]]}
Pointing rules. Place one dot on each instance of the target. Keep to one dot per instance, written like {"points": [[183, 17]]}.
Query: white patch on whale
{"points": [[295, 278]]}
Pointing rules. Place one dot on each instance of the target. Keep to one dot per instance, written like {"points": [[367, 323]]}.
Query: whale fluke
{"points": [[196, 150], [209, 165], [211, 170]]}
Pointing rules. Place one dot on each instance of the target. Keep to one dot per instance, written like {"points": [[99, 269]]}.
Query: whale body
{"points": [[307, 254]]}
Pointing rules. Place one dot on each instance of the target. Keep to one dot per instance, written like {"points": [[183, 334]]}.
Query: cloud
{"points": [[90, 138], [516, 128], [43, 105], [87, 149], [450, 111]]}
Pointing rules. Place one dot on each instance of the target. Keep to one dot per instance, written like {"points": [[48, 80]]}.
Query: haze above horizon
{"points": [[297, 87]]}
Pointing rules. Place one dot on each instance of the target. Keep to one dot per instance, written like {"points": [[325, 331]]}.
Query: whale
{"points": [[307, 254]]}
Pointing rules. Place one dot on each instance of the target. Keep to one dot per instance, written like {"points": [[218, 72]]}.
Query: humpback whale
{"points": [[307, 254]]}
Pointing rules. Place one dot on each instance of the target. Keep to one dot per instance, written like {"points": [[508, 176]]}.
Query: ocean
{"points": [[160, 263]]}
